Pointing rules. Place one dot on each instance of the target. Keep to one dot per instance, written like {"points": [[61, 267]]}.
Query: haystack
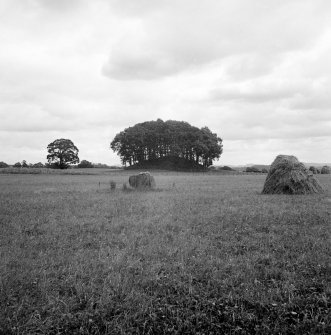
{"points": [[288, 176], [325, 170], [143, 180]]}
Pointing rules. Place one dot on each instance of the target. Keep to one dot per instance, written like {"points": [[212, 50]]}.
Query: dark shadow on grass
{"points": [[142, 189]]}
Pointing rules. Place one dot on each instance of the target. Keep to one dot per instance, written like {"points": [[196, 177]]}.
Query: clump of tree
{"points": [[85, 164], [226, 168], [62, 153], [313, 169], [3, 165], [101, 165], [326, 170], [22, 164], [158, 140], [38, 165], [253, 169]]}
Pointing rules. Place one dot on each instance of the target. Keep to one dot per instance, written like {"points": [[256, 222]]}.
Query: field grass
{"points": [[73, 171], [201, 254]]}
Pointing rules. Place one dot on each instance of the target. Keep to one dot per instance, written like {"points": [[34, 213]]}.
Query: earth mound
{"points": [[168, 163]]}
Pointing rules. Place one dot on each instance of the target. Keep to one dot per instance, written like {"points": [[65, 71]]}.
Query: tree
{"points": [[85, 164], [18, 165], [3, 165], [62, 153], [252, 169], [25, 164], [326, 170], [313, 169], [227, 168], [158, 140], [38, 165]]}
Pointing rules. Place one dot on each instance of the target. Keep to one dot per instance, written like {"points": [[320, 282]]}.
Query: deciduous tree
{"points": [[152, 140], [85, 164], [62, 153]]}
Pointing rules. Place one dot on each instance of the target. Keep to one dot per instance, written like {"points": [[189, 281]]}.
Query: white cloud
{"points": [[182, 34], [256, 72]]}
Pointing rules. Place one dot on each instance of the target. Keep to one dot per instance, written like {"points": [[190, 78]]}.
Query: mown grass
{"points": [[70, 171], [202, 254]]}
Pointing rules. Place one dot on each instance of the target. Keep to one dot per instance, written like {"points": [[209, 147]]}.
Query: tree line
{"points": [[149, 141], [153, 140]]}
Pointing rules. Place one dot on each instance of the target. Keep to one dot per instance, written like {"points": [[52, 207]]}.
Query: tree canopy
{"points": [[38, 165], [62, 153], [153, 140], [85, 164]]}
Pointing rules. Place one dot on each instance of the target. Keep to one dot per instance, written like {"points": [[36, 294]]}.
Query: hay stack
{"points": [[288, 176], [143, 180], [325, 170]]}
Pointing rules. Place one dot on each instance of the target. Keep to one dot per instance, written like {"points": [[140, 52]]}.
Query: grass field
{"points": [[201, 254]]}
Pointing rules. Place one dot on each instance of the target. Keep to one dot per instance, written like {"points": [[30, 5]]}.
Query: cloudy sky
{"points": [[256, 72]]}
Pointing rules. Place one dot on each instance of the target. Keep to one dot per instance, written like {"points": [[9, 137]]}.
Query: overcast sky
{"points": [[256, 72]]}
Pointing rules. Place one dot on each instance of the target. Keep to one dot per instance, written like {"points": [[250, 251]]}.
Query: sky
{"points": [[256, 72]]}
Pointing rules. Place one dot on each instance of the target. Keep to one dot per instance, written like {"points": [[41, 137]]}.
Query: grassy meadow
{"points": [[201, 254]]}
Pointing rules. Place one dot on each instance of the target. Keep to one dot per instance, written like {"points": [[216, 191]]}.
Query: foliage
{"points": [[25, 164], [314, 170], [326, 170], [18, 164], [154, 140], [43, 170], [252, 169], [38, 165], [226, 168], [101, 166], [62, 153], [85, 164], [3, 165], [208, 256]]}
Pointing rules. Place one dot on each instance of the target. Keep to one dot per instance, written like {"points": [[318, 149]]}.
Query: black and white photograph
{"points": [[165, 167]]}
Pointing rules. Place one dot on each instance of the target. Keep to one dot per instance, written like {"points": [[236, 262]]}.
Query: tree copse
{"points": [[152, 140], [85, 164]]}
